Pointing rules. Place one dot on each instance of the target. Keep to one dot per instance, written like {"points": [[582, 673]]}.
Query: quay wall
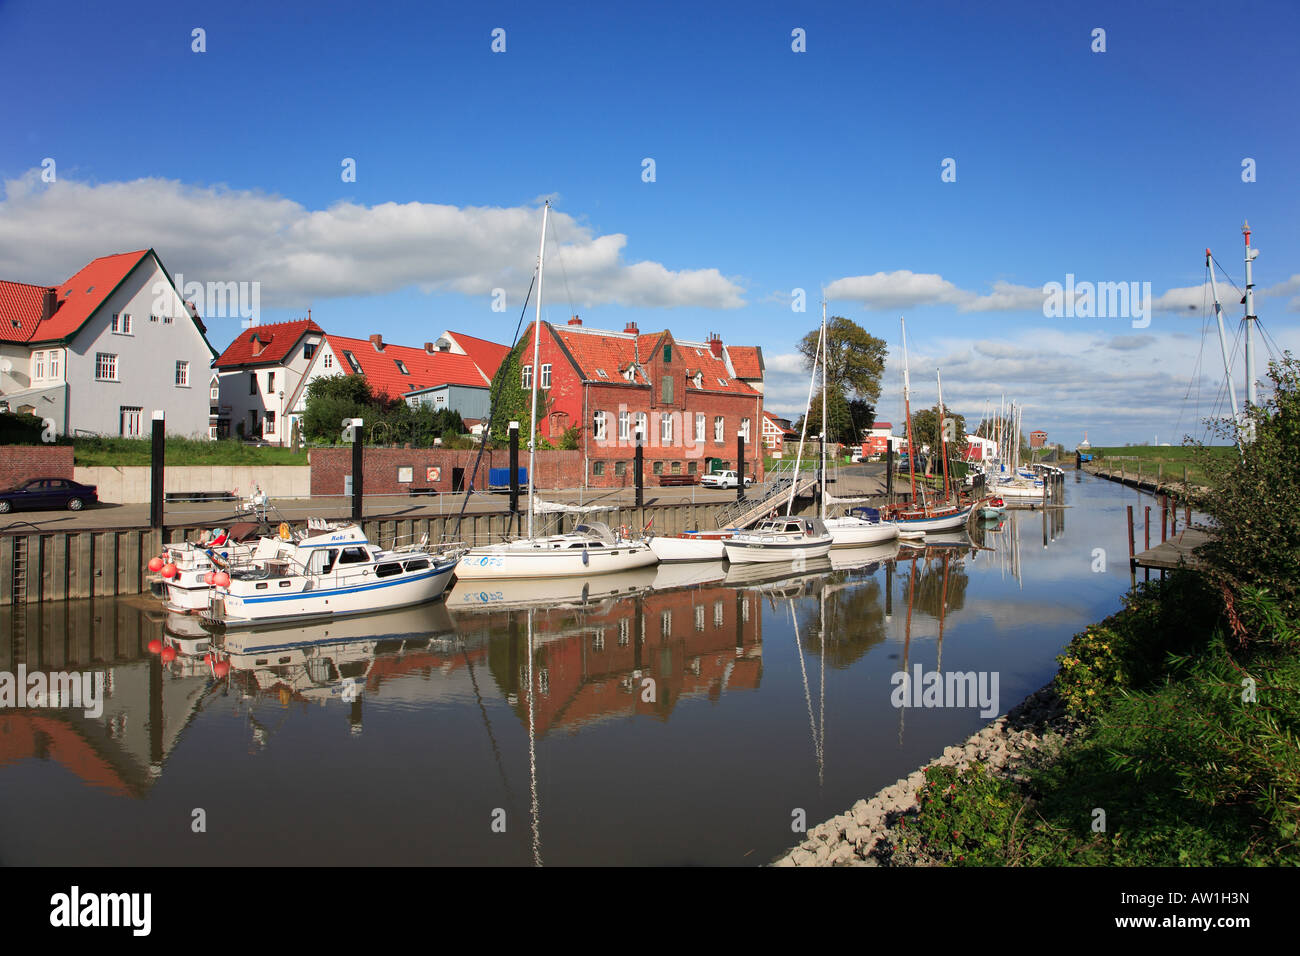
{"points": [[20, 463], [64, 565], [130, 485]]}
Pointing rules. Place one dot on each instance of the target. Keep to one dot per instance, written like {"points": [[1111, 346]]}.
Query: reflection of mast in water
{"points": [[943, 607], [907, 646], [807, 694], [532, 750]]}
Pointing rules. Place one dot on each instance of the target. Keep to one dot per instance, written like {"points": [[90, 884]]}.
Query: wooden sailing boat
{"points": [[591, 548]]}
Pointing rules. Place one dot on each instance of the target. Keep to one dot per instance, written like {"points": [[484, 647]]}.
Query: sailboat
{"points": [[591, 548], [948, 514]]}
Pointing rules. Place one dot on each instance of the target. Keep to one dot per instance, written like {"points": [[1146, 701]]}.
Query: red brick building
{"points": [[1037, 439], [688, 399]]}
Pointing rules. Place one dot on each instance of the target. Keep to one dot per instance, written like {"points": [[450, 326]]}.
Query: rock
{"points": [[803, 858], [785, 861]]}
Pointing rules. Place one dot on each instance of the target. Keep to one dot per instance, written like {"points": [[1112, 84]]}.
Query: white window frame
{"points": [[268, 423], [38, 366], [56, 361], [328, 360], [665, 428], [121, 324], [598, 426], [643, 425], [699, 427], [130, 413], [719, 429], [546, 376], [106, 360], [526, 377], [744, 428], [214, 391], [624, 425], [182, 374]]}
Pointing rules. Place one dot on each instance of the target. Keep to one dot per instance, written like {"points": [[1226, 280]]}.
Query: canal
{"points": [[680, 715]]}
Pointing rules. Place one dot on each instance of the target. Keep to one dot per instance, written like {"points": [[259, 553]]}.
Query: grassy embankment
{"points": [[124, 452], [1173, 458]]}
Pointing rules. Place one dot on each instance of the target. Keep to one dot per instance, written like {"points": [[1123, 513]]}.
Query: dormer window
{"points": [[401, 366], [600, 373], [722, 382], [352, 360], [699, 379]]}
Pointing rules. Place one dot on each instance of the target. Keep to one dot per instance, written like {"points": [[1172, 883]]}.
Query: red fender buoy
{"points": [[168, 654], [155, 564], [155, 646]]}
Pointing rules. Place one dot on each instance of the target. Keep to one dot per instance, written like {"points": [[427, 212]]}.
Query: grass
{"points": [[1151, 458], [126, 452]]}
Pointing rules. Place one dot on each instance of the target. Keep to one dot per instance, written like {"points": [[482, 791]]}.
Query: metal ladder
{"points": [[19, 582]]}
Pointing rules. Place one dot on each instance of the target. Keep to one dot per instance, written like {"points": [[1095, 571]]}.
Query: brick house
{"points": [[684, 397], [1037, 439], [776, 432], [879, 437]]}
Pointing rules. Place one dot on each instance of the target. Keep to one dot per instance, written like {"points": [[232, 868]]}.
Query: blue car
{"points": [[41, 493]]}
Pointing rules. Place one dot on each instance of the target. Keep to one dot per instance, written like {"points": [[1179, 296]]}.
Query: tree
{"points": [[855, 362], [864, 416], [511, 402], [841, 427], [333, 398], [925, 431]]}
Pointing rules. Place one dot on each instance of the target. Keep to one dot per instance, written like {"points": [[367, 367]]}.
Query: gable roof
{"points": [[594, 349], [277, 339], [426, 369], [20, 309], [488, 356], [747, 360]]}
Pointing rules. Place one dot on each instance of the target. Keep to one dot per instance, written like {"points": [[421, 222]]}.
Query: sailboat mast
{"points": [[537, 341], [821, 482], [1223, 347], [907, 413], [1250, 318], [943, 439], [803, 431]]}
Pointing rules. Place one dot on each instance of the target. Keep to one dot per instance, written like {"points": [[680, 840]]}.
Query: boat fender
{"points": [[586, 558], [284, 531]]}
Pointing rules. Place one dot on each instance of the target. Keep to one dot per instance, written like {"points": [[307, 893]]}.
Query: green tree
{"points": [[511, 401], [925, 431], [840, 415], [333, 398], [855, 362], [1255, 506], [864, 416]]}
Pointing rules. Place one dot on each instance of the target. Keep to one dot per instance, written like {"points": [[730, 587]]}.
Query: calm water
{"points": [[680, 715]]}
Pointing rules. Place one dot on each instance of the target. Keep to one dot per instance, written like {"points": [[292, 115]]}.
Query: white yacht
{"points": [[590, 548], [780, 539], [860, 528]]}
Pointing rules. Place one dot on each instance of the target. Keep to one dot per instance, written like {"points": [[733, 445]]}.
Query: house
{"points": [[683, 398], [776, 432], [979, 448], [1037, 439], [257, 372], [877, 439], [100, 353], [455, 372]]}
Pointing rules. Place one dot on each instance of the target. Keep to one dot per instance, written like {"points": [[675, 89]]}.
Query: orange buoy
{"points": [[208, 659], [220, 669], [155, 646], [169, 570], [207, 578], [221, 579], [168, 654], [155, 564]]}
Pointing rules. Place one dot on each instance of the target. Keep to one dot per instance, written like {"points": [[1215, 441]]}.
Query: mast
{"points": [[1223, 348], [821, 481], [537, 341], [943, 441], [1250, 325], [803, 432], [907, 414]]}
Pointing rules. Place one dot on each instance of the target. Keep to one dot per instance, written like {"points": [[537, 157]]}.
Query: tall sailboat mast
{"points": [[821, 481], [907, 413], [1223, 347], [1250, 324], [943, 439], [537, 340]]}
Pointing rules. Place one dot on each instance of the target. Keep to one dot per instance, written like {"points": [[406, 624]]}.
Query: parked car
{"points": [[724, 479], [38, 493]]}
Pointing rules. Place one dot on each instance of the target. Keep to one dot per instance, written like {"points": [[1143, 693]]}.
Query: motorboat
{"points": [[780, 539], [691, 545], [860, 528], [590, 548]]}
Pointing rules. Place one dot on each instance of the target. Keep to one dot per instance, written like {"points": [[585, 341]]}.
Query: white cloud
{"points": [[301, 255]]}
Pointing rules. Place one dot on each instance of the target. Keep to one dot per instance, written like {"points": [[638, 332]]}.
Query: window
{"points": [[546, 376], [600, 373], [598, 639], [699, 427], [354, 556], [527, 380], [212, 432], [38, 365], [129, 418], [642, 426], [666, 428], [168, 319], [677, 468], [717, 614], [699, 617], [105, 367], [598, 468], [690, 467], [401, 366], [722, 382], [309, 350], [328, 361], [598, 426], [624, 632], [668, 354], [699, 379], [121, 323], [183, 374], [666, 623], [352, 360], [269, 428], [666, 389], [620, 468], [56, 356], [718, 429], [744, 428], [658, 468], [624, 425], [270, 383], [153, 318], [214, 391]]}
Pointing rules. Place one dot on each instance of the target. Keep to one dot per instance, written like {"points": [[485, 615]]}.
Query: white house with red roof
{"points": [[454, 372], [776, 432], [258, 374], [103, 351]]}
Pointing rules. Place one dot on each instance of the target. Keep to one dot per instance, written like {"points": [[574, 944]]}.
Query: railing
{"points": [[761, 498]]}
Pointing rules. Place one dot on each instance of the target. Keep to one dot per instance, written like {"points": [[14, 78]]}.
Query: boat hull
{"points": [[522, 560], [742, 551], [688, 548], [945, 523], [855, 533]]}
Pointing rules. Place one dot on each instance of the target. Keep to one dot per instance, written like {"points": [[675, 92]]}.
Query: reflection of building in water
{"points": [[636, 654], [147, 704]]}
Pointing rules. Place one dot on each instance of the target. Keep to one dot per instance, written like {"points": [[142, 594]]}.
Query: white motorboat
{"points": [[188, 588], [691, 545], [1018, 488], [993, 509], [860, 528], [328, 571], [780, 539]]}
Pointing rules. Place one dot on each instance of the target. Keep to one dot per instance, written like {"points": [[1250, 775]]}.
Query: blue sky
{"points": [[774, 170]]}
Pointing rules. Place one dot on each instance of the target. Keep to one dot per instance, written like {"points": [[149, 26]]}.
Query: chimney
{"points": [[49, 302], [631, 329], [575, 321], [715, 344], [377, 341], [258, 344], [428, 347]]}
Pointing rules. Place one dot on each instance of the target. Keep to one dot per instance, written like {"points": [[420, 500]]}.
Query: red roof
{"points": [[876, 425], [613, 352], [488, 356], [747, 360], [423, 369], [276, 340], [77, 299]]}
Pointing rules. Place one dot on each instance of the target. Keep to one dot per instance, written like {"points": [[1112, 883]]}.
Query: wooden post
{"points": [[1132, 558], [156, 456], [1164, 518], [514, 468], [740, 467], [889, 472], [1146, 534], [638, 469], [356, 468]]}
